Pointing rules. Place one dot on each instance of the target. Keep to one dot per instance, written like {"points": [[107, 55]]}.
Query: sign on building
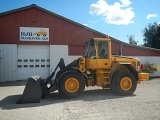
{"points": [[34, 34]]}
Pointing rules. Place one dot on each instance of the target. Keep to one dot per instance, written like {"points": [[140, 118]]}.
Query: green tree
{"points": [[152, 35], [131, 39]]}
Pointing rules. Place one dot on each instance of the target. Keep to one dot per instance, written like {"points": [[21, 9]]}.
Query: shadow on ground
{"points": [[13, 83], [89, 95]]}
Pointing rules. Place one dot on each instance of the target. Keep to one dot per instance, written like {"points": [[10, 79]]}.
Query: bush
{"points": [[150, 68]]}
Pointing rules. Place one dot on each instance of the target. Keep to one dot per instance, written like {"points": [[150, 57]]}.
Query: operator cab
{"points": [[97, 53], [90, 49]]}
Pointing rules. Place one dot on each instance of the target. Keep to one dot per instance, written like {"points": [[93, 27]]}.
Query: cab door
{"points": [[103, 54]]}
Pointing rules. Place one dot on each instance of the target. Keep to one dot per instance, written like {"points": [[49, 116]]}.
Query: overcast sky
{"points": [[117, 18]]}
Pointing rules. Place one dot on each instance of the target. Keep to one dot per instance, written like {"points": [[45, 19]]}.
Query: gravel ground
{"points": [[95, 103]]}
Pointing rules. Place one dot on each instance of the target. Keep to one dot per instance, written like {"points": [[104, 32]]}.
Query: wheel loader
{"points": [[97, 67]]}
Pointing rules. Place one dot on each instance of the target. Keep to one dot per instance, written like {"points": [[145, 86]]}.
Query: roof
{"points": [[52, 13]]}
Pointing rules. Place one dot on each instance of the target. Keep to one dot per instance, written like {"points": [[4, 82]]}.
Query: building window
{"points": [[37, 60], [31, 60], [19, 66], [36, 65], [42, 60], [19, 60], [25, 66], [48, 60], [42, 65], [48, 65], [31, 66], [25, 60]]}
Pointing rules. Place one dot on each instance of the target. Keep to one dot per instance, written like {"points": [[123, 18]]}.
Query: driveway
{"points": [[94, 104]]}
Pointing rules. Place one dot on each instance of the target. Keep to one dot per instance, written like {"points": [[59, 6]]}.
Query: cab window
{"points": [[102, 49], [90, 51]]}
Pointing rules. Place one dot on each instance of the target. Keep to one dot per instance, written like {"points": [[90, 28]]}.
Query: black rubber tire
{"points": [[76, 76], [116, 83]]}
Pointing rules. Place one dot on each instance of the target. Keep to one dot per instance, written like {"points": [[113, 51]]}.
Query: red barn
{"points": [[33, 39]]}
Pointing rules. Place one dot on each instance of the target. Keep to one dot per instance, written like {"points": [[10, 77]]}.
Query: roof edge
{"points": [[17, 9], [136, 46]]}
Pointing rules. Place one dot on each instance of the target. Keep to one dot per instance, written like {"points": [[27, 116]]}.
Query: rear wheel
{"points": [[71, 84], [123, 83]]}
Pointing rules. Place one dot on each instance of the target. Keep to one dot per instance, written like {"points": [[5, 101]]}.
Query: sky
{"points": [[116, 18]]}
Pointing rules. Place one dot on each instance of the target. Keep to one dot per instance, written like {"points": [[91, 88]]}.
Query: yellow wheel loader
{"points": [[97, 67]]}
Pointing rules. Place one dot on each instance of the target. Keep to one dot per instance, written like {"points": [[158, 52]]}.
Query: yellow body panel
{"points": [[143, 76], [97, 63]]}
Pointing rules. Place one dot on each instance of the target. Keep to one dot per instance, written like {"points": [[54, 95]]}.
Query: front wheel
{"points": [[123, 83], [71, 84]]}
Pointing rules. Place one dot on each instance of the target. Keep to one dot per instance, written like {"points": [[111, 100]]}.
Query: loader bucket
{"points": [[32, 92]]}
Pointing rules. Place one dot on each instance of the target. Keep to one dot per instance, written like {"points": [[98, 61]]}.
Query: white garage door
{"points": [[33, 60]]}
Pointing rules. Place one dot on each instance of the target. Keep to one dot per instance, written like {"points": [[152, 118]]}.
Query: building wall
{"points": [[19, 62], [8, 62], [56, 53], [139, 51], [131, 50], [62, 33]]}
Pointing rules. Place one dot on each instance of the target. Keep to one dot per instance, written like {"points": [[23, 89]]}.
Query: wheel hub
{"points": [[126, 83], [71, 85]]}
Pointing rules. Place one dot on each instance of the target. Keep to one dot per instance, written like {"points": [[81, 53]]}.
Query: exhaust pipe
{"points": [[120, 49]]}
